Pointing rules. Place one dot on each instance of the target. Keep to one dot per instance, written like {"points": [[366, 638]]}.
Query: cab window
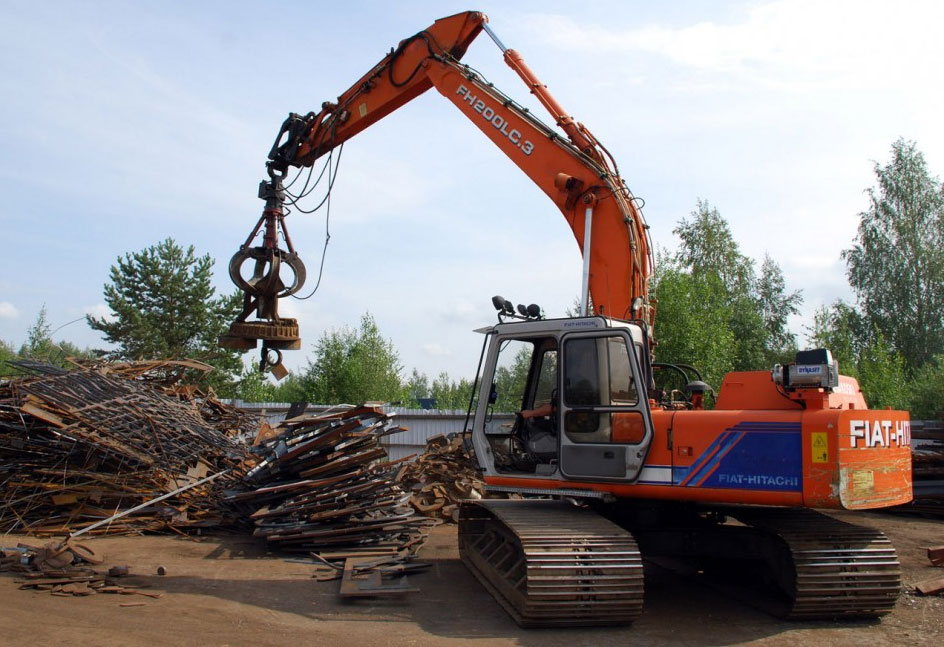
{"points": [[598, 382]]}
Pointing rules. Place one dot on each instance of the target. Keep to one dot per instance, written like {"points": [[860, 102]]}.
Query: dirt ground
{"points": [[229, 591]]}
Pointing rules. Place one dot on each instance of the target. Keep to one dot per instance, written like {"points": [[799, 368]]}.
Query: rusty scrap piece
{"points": [[81, 446], [61, 568], [440, 478], [54, 558], [931, 587], [936, 555], [360, 579]]}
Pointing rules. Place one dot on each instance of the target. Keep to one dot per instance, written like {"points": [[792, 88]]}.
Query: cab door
{"points": [[604, 409]]}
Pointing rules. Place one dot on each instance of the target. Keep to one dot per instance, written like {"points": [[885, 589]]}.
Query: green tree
{"points": [[865, 354], [6, 354], [925, 388], [776, 307], [512, 378], [882, 375], [255, 386], [290, 389], [708, 247], [40, 346], [38, 343], [841, 329], [444, 391], [450, 394], [417, 387], [711, 255], [895, 266], [692, 325], [713, 310], [353, 366], [164, 306]]}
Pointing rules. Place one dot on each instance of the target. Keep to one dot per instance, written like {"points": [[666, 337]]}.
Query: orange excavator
{"points": [[612, 468]]}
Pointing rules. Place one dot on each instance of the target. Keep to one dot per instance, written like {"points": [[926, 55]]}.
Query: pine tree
{"points": [[164, 306]]}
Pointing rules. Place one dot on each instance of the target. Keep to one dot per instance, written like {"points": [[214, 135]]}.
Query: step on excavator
{"points": [[610, 468]]}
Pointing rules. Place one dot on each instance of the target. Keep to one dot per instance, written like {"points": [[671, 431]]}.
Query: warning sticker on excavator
{"points": [[820, 447]]}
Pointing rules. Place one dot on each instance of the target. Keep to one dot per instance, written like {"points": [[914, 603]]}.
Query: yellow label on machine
{"points": [[863, 482], [820, 447]]}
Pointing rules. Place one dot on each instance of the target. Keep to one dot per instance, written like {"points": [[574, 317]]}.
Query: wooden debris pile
{"points": [[324, 485], [79, 446], [439, 479], [927, 466]]}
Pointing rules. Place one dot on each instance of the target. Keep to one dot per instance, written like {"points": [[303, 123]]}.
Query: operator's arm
{"points": [[538, 412]]}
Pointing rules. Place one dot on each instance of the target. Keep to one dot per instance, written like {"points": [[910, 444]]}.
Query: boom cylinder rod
{"points": [[491, 34], [585, 287]]}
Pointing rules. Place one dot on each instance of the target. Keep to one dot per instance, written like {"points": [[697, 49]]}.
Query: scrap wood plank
{"points": [[30, 407], [931, 587]]}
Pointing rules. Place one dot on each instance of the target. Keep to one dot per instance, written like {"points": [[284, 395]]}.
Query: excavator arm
{"points": [[397, 79], [569, 165]]}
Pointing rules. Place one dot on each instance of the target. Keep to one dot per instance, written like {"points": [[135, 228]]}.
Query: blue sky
{"points": [[124, 123]]}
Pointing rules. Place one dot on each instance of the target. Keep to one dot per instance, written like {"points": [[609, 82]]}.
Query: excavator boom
{"points": [[394, 81], [569, 165]]}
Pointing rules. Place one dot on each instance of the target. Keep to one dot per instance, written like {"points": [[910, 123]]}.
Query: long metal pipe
{"points": [[146, 504]]}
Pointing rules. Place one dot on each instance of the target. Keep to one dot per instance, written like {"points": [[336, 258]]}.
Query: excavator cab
{"points": [[587, 377]]}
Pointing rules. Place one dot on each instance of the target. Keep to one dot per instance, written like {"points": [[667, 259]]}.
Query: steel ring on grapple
{"points": [[265, 279], [266, 359]]}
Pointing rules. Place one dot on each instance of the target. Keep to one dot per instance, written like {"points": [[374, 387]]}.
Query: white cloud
{"points": [[461, 311], [8, 310], [437, 350], [813, 263], [797, 43]]}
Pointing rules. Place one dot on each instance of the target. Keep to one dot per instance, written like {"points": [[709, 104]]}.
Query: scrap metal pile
{"points": [[66, 569], [927, 463], [325, 486], [80, 446], [440, 478]]}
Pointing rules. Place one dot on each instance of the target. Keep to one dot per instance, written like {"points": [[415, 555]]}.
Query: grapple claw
{"points": [[265, 286]]}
